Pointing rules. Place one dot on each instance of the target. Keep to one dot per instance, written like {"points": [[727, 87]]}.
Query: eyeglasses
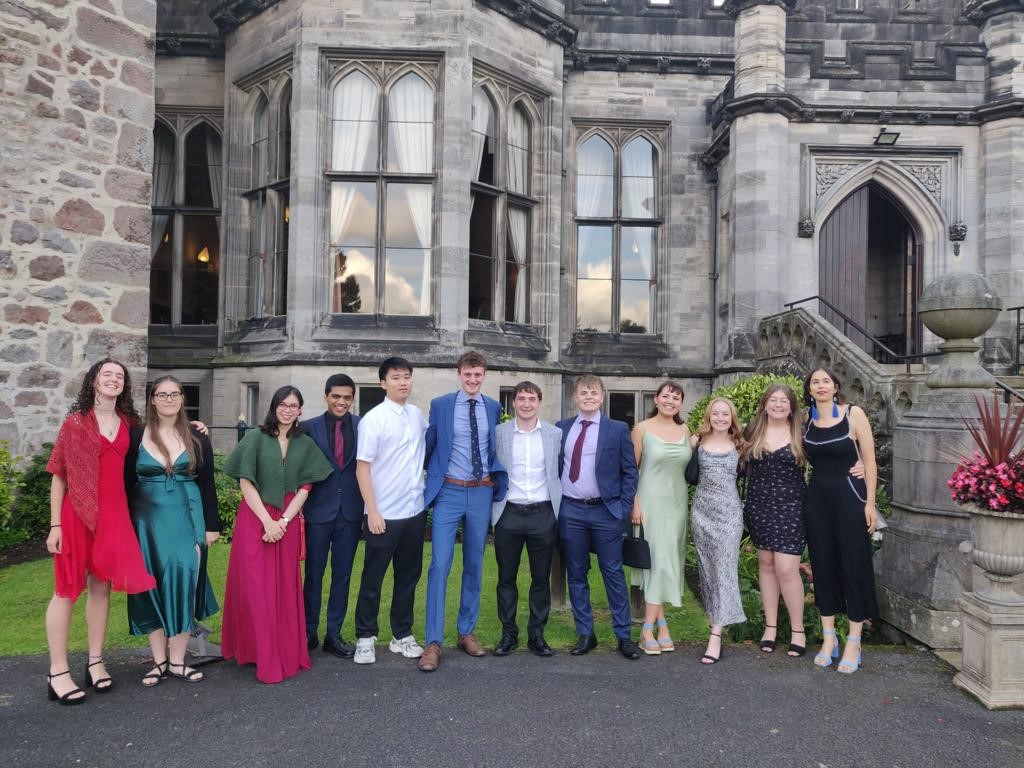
{"points": [[286, 407], [165, 396]]}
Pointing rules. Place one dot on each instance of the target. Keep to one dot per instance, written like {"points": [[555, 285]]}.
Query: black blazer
{"points": [[204, 474], [337, 494]]}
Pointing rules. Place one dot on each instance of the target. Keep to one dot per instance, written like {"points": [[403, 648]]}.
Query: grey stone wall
{"points": [[76, 105]]}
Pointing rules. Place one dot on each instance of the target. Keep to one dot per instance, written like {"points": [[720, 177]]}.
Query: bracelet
{"points": [[55, 526], [285, 520]]}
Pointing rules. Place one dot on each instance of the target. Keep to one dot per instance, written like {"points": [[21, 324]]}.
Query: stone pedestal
{"points": [[993, 653]]}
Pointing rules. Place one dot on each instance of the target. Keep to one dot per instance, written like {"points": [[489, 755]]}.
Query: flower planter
{"points": [[997, 547]]}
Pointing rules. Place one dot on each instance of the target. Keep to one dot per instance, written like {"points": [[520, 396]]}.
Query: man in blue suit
{"points": [[599, 478], [463, 478], [334, 515]]}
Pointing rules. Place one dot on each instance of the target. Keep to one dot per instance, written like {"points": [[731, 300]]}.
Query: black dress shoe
{"points": [[585, 644], [339, 647], [312, 641], [539, 646], [629, 649], [506, 645]]}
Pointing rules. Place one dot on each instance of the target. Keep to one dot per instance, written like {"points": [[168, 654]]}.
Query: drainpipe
{"points": [[711, 175]]}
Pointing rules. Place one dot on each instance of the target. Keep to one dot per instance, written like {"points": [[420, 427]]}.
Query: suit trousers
{"points": [[471, 507], [339, 538], [401, 544], [583, 529], [535, 527]]}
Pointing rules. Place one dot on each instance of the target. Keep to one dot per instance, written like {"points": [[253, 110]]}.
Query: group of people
{"points": [[133, 508]]}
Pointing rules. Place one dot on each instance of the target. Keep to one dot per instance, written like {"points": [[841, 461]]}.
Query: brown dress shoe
{"points": [[431, 658], [471, 645]]}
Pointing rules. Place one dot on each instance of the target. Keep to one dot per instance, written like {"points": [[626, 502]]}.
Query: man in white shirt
{"points": [[389, 468], [528, 516]]}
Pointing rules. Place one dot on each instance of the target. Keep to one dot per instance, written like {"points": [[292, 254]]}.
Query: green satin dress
{"points": [[167, 512], [661, 492]]}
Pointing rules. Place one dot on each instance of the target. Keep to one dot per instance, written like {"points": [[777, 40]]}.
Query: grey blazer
{"points": [[551, 439]]}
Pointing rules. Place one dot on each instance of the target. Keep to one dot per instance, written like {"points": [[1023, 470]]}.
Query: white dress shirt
{"points": [[527, 477], [392, 438]]}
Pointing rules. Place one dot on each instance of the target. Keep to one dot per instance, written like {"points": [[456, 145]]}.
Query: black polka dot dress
{"points": [[774, 512]]}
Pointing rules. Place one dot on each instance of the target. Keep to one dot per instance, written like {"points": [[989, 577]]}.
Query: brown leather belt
{"points": [[485, 480]]}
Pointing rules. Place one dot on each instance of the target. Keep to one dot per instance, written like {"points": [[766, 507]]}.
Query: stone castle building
{"points": [[253, 192]]}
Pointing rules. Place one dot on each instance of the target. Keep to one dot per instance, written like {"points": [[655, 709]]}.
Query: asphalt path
{"points": [[751, 709]]}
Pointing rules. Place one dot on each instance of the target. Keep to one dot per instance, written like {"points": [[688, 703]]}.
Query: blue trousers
{"points": [[471, 506], [339, 538], [582, 529]]}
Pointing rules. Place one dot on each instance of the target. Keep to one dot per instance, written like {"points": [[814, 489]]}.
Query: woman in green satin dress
{"points": [[662, 447], [173, 503]]}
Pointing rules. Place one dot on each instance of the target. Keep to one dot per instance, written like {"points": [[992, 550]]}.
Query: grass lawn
{"points": [[25, 590]]}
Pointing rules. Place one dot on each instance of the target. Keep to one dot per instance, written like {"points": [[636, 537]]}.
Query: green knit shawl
{"points": [[258, 459]]}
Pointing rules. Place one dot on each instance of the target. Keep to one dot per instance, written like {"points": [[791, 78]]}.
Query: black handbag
{"points": [[692, 471], [636, 552]]}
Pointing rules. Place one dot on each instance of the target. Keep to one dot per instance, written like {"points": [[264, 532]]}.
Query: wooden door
{"points": [[842, 265]]}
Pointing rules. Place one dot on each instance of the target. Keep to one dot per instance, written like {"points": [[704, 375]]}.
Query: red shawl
{"points": [[76, 460]]}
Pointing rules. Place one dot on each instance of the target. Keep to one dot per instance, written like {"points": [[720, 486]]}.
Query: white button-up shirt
{"points": [[527, 477], [392, 438]]}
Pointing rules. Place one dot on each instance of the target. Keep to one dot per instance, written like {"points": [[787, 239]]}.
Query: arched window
{"points": [[186, 227], [617, 225], [381, 263], [260, 143], [499, 227]]}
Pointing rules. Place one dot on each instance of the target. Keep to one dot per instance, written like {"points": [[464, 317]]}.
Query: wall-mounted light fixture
{"points": [[886, 138], [204, 255]]}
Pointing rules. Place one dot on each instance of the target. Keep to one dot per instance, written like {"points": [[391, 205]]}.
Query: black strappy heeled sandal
{"points": [[192, 676], [97, 685], [768, 646], [157, 675], [707, 659], [68, 699], [796, 651]]}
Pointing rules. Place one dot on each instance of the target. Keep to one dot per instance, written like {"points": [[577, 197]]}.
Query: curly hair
{"points": [[124, 405]]}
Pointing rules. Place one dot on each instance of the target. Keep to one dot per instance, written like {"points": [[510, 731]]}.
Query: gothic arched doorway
{"points": [[869, 267]]}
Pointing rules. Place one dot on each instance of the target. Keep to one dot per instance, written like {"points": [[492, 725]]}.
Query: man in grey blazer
{"points": [[528, 515]]}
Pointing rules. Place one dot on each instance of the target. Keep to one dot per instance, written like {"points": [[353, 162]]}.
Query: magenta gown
{"points": [[264, 619]]}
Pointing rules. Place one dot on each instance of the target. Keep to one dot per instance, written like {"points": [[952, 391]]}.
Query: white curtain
{"points": [[483, 117], [638, 179], [519, 151], [260, 139], [411, 121], [594, 183], [213, 162], [518, 226], [419, 198], [356, 104], [163, 185]]}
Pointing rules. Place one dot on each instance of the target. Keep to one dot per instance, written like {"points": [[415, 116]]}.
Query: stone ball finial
{"points": [[959, 305]]}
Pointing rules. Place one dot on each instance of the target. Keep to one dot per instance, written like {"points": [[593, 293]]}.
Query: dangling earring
{"points": [[814, 412], [835, 407]]}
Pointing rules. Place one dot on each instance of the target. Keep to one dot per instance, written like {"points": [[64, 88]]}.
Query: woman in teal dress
{"points": [[173, 502], [662, 450]]}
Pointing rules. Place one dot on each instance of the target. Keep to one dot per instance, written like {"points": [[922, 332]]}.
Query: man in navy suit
{"points": [[599, 478], [334, 515], [463, 478]]}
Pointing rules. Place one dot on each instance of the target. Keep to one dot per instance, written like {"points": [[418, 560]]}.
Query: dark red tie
{"points": [[339, 444], [577, 452]]}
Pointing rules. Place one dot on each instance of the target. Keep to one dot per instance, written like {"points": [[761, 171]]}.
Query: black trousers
{"points": [[401, 544], [533, 526]]}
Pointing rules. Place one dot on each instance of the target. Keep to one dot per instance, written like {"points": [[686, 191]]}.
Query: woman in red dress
{"points": [[91, 535]]}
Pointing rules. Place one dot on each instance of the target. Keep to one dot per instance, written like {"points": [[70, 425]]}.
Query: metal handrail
{"points": [[1016, 331], [1009, 391], [849, 321]]}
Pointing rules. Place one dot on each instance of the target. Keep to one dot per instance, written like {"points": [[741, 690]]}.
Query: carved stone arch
{"points": [[347, 69], [190, 124], [430, 78]]}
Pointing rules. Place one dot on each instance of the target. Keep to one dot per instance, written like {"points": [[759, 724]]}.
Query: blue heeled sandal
{"points": [[666, 644], [849, 667], [650, 647], [822, 660]]}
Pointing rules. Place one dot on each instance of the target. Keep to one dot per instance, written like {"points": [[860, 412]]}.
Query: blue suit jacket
{"points": [[339, 493], [439, 445], [616, 464]]}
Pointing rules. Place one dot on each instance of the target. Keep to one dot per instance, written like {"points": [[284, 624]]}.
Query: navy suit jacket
{"points": [[439, 445], [339, 492], [616, 464]]}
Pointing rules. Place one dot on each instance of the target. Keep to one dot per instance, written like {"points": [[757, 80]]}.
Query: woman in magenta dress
{"points": [[91, 535], [264, 618]]}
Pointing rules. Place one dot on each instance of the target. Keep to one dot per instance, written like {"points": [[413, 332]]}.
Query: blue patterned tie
{"points": [[474, 442]]}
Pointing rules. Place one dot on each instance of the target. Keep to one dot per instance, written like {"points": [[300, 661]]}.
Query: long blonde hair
{"points": [[180, 426], [757, 429], [735, 428]]}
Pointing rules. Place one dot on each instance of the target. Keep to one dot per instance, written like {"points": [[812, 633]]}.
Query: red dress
{"points": [[111, 551], [264, 618]]}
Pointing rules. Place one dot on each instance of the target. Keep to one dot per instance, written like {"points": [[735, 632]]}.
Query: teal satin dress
{"points": [[167, 512]]}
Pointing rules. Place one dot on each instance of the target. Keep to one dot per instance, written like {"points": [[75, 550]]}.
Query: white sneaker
{"points": [[365, 652], [407, 646]]}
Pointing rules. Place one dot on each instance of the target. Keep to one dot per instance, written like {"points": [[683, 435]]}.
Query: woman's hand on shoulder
{"points": [[694, 441], [212, 536], [200, 427]]}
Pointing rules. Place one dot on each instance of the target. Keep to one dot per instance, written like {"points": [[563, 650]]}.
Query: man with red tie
{"points": [[599, 478], [334, 516]]}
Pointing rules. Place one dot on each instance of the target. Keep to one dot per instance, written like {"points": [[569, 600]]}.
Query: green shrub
{"points": [[745, 395], [31, 514], [229, 495], [10, 481]]}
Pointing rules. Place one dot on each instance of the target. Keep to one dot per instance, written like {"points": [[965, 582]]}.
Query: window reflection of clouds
{"points": [[635, 302], [354, 264], [353, 213], [594, 305], [404, 283], [636, 247]]}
